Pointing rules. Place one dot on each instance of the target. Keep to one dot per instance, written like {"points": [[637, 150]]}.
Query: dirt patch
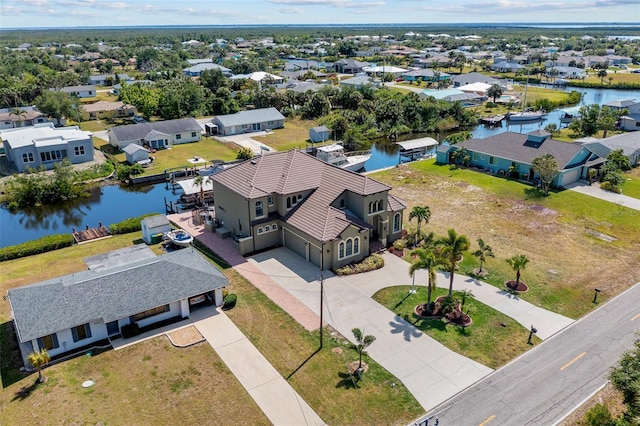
{"points": [[184, 337], [600, 235]]}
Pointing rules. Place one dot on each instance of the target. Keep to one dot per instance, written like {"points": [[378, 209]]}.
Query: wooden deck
{"points": [[91, 234]]}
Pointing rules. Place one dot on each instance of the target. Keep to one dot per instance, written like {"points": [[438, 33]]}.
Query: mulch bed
{"points": [[457, 317], [519, 288]]}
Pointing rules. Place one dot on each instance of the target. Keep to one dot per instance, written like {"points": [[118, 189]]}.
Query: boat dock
{"points": [[91, 234], [492, 120]]}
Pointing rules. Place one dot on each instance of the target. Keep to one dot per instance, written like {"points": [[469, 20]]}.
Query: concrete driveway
{"points": [[612, 197], [430, 371], [246, 141]]}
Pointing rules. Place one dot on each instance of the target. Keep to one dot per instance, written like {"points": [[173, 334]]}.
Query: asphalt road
{"points": [[548, 382]]}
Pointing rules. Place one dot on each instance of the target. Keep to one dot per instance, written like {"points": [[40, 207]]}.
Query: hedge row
{"points": [[371, 263], [129, 225], [41, 245]]}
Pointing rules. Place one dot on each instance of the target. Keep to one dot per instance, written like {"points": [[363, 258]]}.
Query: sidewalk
{"points": [[612, 197], [277, 399]]}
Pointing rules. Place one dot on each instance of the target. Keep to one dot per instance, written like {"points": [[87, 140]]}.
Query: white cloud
{"points": [[290, 10]]}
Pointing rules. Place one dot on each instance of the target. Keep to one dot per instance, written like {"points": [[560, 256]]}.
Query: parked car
{"points": [[139, 119]]}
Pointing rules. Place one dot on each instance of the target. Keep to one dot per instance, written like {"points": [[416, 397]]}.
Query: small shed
{"points": [[153, 227], [319, 134], [135, 153]]}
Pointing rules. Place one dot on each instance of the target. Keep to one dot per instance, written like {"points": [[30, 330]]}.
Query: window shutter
{"points": [[55, 341], [87, 327]]}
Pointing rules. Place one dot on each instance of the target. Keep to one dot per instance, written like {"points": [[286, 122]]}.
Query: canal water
{"points": [[112, 204]]}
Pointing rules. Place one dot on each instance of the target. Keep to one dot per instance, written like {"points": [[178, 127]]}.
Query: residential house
{"points": [[629, 143], [253, 120], [319, 134], [424, 74], [473, 77], [128, 288], [85, 91], [435, 61], [478, 88], [359, 81], [453, 95], [157, 134], [511, 154], [506, 67], [349, 66], [566, 72], [197, 69], [11, 118], [44, 145], [631, 121], [384, 69], [260, 77], [103, 79], [106, 109], [328, 215], [135, 153]]}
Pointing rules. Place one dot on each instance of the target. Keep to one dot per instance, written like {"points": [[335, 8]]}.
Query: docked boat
{"points": [[335, 154], [526, 115], [179, 237]]}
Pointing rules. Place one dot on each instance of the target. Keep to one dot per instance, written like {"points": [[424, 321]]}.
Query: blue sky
{"points": [[73, 13]]}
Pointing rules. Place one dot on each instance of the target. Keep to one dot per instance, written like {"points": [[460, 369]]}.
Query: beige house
{"points": [[328, 215], [105, 109]]}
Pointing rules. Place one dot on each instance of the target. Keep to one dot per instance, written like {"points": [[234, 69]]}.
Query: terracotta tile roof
{"points": [[294, 172], [395, 204]]}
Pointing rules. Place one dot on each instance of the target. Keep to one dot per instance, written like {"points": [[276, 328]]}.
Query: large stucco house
{"points": [[44, 145], [511, 154], [129, 286], [329, 216]]}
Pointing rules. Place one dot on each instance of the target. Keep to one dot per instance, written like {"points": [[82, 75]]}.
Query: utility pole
{"points": [[321, 287]]}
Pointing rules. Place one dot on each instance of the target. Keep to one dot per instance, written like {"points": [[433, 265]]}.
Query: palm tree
{"points": [[483, 251], [464, 295], [362, 342], [39, 359], [420, 213], [21, 114], [518, 262], [453, 245], [427, 259], [201, 182]]}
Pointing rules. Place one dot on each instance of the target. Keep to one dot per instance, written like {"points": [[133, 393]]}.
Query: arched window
{"points": [[380, 205], [341, 250], [267, 228], [356, 245], [259, 210], [396, 222], [349, 247], [288, 202], [371, 207], [259, 231]]}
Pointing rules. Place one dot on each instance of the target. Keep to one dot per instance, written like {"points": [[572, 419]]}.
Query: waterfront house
{"points": [[629, 143], [44, 145], [253, 120], [153, 227], [130, 288], [157, 134], [511, 154], [328, 215]]}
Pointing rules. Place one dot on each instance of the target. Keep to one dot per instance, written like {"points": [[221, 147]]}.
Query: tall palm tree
{"points": [[420, 213], [453, 245], [39, 359], [483, 251], [362, 342], [427, 259], [518, 262], [201, 181]]}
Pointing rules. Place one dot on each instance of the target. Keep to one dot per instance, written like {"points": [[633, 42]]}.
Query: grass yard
{"points": [[493, 339], [534, 93], [92, 126], [560, 234], [151, 382], [294, 135], [632, 186]]}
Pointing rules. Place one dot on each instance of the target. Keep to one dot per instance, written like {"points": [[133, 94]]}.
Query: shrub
{"points": [[230, 301], [399, 244], [41, 245], [599, 415], [129, 225], [609, 187], [371, 263]]}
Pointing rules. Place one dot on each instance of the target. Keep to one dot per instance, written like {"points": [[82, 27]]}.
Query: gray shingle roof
{"points": [[294, 172], [155, 221], [250, 116], [513, 146], [170, 127], [64, 302]]}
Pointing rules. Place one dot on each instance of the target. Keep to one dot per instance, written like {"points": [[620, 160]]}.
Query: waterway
{"points": [[112, 204]]}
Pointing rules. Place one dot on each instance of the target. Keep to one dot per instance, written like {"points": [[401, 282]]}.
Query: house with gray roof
{"points": [[127, 288], [157, 134], [328, 215], [473, 77], [45, 145], [253, 120], [86, 91], [197, 69], [511, 154], [348, 66], [11, 118], [629, 143]]}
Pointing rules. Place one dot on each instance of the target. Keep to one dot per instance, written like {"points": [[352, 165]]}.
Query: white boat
{"points": [[179, 237], [526, 115], [334, 154]]}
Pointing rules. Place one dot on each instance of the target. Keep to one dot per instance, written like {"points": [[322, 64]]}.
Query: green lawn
{"points": [[632, 185], [493, 339], [294, 135]]}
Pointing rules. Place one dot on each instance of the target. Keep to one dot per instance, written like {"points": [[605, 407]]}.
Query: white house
{"points": [[128, 289], [197, 69], [21, 117], [153, 227], [253, 120], [86, 91], [157, 134], [44, 145]]}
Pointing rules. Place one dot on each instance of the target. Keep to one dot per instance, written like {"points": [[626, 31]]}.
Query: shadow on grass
{"points": [[347, 381], [533, 193], [425, 324], [302, 365], [401, 302], [11, 360], [25, 391]]}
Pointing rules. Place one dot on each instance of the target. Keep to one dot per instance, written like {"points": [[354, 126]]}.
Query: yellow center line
{"points": [[635, 318], [488, 420], [572, 361]]}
